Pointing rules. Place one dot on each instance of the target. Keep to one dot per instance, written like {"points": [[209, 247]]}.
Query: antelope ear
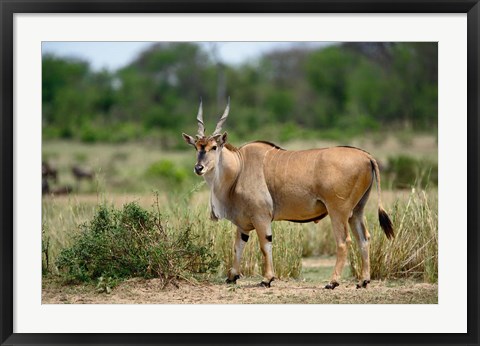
{"points": [[188, 139], [222, 139]]}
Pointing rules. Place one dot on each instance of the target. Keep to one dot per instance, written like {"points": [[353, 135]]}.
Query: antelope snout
{"points": [[199, 169]]}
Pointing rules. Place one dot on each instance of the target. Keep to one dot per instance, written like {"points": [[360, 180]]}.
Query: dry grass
{"points": [[413, 253], [287, 251], [405, 270], [381, 145], [414, 250], [123, 167], [121, 171]]}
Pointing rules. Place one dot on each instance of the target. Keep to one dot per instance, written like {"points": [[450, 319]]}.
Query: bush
{"points": [[90, 133], [133, 242], [406, 172], [168, 170]]}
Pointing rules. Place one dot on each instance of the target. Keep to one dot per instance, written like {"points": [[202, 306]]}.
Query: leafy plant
{"points": [[167, 170], [405, 172], [349, 87], [134, 242]]}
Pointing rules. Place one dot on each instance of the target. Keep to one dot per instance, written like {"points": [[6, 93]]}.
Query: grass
{"points": [[63, 218], [142, 167], [413, 253], [121, 168], [60, 221], [317, 239], [131, 172]]}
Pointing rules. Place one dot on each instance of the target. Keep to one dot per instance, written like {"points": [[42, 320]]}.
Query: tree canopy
{"points": [[350, 87]]}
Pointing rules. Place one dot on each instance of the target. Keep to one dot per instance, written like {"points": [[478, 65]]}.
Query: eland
{"points": [[260, 182]]}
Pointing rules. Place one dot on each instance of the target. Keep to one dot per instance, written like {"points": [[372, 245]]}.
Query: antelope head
{"points": [[207, 147]]}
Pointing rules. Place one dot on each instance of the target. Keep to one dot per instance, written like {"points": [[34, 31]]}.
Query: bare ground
{"points": [[247, 291]]}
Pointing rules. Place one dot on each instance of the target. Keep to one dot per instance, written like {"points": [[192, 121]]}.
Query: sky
{"points": [[115, 55]]}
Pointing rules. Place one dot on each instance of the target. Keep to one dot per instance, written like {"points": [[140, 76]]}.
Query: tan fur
{"points": [[259, 183]]}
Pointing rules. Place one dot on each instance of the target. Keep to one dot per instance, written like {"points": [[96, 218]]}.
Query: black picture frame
{"points": [[9, 7]]}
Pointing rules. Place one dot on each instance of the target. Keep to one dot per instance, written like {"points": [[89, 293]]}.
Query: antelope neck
{"points": [[227, 167]]}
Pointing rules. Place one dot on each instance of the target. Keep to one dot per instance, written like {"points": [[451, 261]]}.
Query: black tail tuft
{"points": [[385, 223]]}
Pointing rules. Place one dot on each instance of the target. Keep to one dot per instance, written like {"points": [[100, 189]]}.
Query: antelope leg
{"points": [[240, 241]]}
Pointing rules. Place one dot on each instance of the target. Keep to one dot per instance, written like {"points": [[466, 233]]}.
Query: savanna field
{"points": [[138, 231]]}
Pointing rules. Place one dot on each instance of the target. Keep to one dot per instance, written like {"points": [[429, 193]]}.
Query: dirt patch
{"points": [[248, 291], [139, 291]]}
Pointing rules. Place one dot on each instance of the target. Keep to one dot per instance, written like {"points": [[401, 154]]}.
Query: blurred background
{"points": [[116, 110]]}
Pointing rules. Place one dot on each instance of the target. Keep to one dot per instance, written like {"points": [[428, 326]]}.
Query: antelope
{"points": [[260, 182], [45, 186], [82, 173], [48, 171]]}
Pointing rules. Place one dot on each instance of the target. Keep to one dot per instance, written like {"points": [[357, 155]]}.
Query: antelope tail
{"points": [[383, 217]]}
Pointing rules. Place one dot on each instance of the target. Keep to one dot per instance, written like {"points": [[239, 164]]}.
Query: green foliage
{"points": [[168, 170], [405, 171], [329, 71], [116, 133], [133, 242], [281, 104], [341, 89], [180, 242], [92, 134]]}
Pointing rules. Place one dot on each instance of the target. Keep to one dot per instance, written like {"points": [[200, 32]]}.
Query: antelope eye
{"points": [[214, 147]]}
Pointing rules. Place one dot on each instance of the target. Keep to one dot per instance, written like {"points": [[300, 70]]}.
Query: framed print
{"points": [[122, 239]]}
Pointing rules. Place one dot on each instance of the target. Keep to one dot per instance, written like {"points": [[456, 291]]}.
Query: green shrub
{"points": [[123, 132], [49, 132], [133, 242], [405, 172], [66, 132], [289, 132], [168, 170], [88, 135], [92, 133]]}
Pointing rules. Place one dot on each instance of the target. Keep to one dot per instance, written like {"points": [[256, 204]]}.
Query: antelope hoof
{"points": [[332, 285], [266, 284], [232, 281], [363, 284]]}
